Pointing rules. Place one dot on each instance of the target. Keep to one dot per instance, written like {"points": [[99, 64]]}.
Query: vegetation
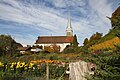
{"points": [[107, 60], [75, 42], [110, 35], [97, 42], [115, 22], [93, 39], [107, 65], [103, 51], [86, 41], [109, 44], [23, 71], [8, 45]]}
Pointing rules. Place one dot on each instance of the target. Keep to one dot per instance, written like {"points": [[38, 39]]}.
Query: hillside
{"points": [[107, 41], [110, 35], [108, 44], [115, 21], [110, 39]]}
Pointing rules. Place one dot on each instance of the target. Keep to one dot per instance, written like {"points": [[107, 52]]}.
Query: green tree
{"points": [[7, 45], [115, 22], [75, 42], [96, 36], [86, 41]]}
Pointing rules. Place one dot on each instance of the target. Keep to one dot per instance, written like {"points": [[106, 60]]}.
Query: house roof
{"points": [[54, 39], [24, 48]]}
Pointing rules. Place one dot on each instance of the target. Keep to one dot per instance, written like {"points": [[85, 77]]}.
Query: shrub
{"points": [[69, 50]]}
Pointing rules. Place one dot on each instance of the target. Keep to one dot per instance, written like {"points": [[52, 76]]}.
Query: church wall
{"points": [[62, 45]]}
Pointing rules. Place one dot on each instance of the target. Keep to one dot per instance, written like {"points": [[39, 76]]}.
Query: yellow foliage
{"points": [[45, 61], [106, 44], [52, 48]]}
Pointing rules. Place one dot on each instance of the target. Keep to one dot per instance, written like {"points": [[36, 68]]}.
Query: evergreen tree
{"points": [[86, 41], [75, 42]]}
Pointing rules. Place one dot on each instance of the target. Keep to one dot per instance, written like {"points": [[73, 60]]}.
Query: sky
{"points": [[25, 20]]}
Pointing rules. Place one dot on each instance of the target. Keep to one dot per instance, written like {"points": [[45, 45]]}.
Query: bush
{"points": [[52, 56], [69, 50], [108, 66]]}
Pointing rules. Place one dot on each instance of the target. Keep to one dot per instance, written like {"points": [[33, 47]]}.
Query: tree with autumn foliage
{"points": [[96, 36], [93, 39]]}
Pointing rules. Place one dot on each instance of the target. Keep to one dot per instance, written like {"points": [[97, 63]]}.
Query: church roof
{"points": [[54, 39]]}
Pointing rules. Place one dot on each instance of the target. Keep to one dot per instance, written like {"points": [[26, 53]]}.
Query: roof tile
{"points": [[54, 39]]}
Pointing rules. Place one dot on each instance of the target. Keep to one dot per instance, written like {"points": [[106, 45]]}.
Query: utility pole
{"points": [[47, 71]]}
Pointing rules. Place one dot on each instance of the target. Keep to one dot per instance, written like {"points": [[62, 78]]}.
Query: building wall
{"points": [[62, 45]]}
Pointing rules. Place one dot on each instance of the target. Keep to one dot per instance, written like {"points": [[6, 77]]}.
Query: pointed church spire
{"points": [[69, 31], [69, 21]]}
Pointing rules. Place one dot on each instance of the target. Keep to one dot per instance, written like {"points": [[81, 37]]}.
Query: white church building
{"points": [[60, 41]]}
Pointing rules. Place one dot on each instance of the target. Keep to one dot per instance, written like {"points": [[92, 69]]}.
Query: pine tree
{"points": [[75, 42], [86, 41]]}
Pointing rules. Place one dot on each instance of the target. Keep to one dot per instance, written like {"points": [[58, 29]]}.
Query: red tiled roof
{"points": [[54, 39]]}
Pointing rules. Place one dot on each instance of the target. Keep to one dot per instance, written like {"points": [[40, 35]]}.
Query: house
{"points": [[51, 41], [56, 43], [24, 50], [36, 50]]}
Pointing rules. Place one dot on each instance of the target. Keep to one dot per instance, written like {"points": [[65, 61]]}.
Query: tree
{"points": [[96, 36], [115, 22], [7, 45], [117, 35], [86, 41], [75, 42]]}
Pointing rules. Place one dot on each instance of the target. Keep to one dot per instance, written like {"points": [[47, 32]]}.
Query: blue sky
{"points": [[25, 20]]}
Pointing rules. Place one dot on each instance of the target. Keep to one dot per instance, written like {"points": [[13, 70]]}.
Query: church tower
{"points": [[69, 30]]}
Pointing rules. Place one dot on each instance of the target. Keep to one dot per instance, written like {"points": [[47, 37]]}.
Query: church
{"points": [[56, 43]]}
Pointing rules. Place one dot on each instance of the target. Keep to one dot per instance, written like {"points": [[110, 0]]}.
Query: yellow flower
{"points": [[33, 68], [31, 65], [1, 64], [12, 64], [20, 64]]}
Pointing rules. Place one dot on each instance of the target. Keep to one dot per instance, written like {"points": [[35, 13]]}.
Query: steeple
{"points": [[69, 31]]}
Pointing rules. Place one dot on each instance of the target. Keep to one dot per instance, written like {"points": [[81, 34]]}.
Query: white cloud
{"points": [[31, 15], [102, 9]]}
